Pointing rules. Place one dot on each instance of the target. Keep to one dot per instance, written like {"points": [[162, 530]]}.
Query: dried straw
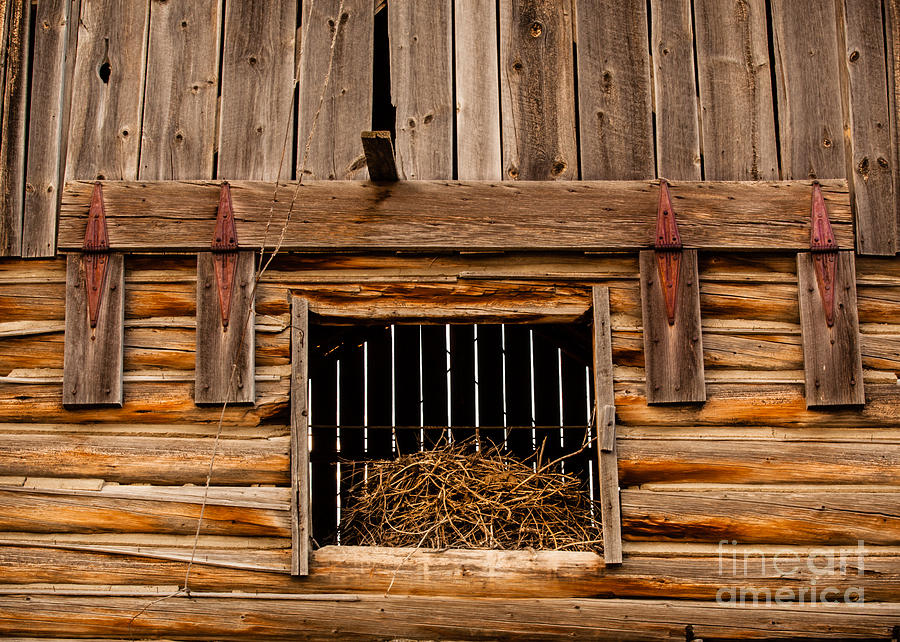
{"points": [[454, 497]]}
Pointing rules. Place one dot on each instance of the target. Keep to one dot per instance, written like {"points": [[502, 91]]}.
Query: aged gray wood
{"points": [[301, 525], [614, 101], [225, 357], [892, 33], [808, 74], [435, 215], [605, 412], [537, 90], [478, 152], [422, 87], [675, 90], [673, 353], [738, 125], [257, 88], [870, 170], [380, 156], [12, 129], [333, 150], [50, 88], [179, 129], [92, 371], [831, 356], [108, 89]]}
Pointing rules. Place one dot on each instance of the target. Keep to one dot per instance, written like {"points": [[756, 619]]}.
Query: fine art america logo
{"points": [[821, 575]]}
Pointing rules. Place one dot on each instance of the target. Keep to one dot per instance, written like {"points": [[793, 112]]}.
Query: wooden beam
{"points": [[605, 413], [93, 361], [301, 525], [450, 215], [238, 617], [673, 352], [380, 156], [831, 354]]}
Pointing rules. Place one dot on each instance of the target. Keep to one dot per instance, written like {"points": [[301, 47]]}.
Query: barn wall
{"points": [[99, 507]]}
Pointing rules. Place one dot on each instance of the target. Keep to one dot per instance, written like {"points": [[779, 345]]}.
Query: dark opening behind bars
{"points": [[443, 381]]}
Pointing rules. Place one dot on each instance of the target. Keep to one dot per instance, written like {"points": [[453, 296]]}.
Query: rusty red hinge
{"points": [[225, 252], [95, 257], [668, 250], [824, 251]]}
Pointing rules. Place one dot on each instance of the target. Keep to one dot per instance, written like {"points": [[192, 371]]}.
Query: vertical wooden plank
{"points": [[604, 398], [870, 171], [12, 129], [738, 124], [477, 91], [379, 152], [92, 366], [220, 350], [108, 90], [51, 86], [807, 71], [831, 355], [300, 514], [677, 123], [537, 90], [892, 31], [334, 150], [614, 102], [179, 129], [257, 90], [673, 353], [422, 87]]}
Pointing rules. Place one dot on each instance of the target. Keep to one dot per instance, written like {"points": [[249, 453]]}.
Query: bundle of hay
{"points": [[454, 497]]}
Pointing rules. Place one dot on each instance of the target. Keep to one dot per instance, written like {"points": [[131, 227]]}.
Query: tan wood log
{"points": [[237, 617], [583, 215], [91, 512], [802, 517], [506, 574], [141, 459]]}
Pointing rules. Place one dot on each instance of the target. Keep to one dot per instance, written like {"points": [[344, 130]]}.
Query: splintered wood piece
{"points": [[224, 246], [219, 347], [301, 526], [604, 410], [668, 246], [380, 156], [831, 351], [95, 257], [673, 352], [824, 248], [92, 365]]}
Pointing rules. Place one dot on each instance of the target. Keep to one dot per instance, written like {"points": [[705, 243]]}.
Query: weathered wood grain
{"points": [[301, 525], [614, 96], [892, 46], [51, 85], [437, 215], [179, 124], [832, 355], [870, 159], [226, 356], [478, 149], [675, 90], [379, 152], [13, 126], [108, 89], [90, 512], [237, 617], [94, 356], [808, 76], [673, 353], [738, 126], [501, 574], [257, 90], [422, 87], [764, 517], [756, 461], [326, 149], [604, 400], [144, 459], [537, 91]]}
